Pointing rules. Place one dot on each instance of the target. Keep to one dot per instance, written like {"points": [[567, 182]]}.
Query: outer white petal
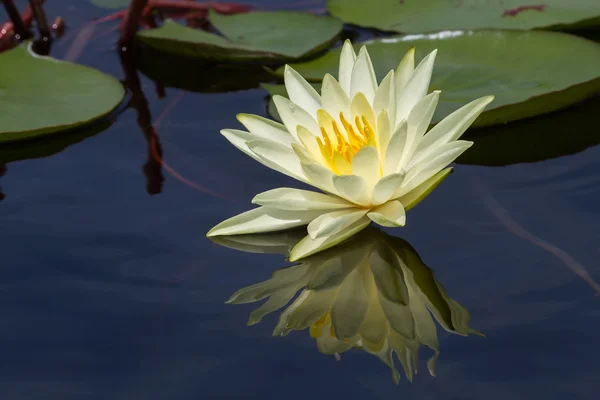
{"points": [[443, 156], [347, 60], [333, 98], [363, 76], [266, 129], [240, 139], [395, 149], [263, 219], [416, 87], [299, 200], [385, 96], [334, 222], [279, 157], [455, 124], [404, 71], [418, 122], [300, 91], [390, 214], [416, 195], [352, 188], [293, 115], [386, 187], [436, 155], [366, 164], [308, 246]]}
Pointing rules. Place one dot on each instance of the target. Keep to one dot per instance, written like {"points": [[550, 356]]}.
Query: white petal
{"points": [[347, 60], [308, 246], [299, 200], [385, 96], [404, 71], [390, 214], [443, 156], [416, 88], [363, 76], [293, 115], [386, 187], [266, 129], [351, 304], [384, 133], [455, 124], [395, 149], [360, 107], [302, 314], [352, 188], [333, 98], [300, 91], [366, 165], [418, 122], [334, 222], [434, 157], [279, 157], [416, 195], [263, 219], [309, 144], [319, 176]]}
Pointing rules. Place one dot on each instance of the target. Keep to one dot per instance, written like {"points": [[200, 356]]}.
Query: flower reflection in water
{"points": [[372, 292]]}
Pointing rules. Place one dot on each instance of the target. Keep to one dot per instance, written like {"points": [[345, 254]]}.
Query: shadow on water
{"points": [[373, 292]]}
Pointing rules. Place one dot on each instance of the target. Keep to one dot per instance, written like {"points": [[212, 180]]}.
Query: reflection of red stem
{"points": [[27, 18]]}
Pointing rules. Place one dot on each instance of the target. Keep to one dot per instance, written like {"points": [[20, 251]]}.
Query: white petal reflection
{"points": [[372, 292]]}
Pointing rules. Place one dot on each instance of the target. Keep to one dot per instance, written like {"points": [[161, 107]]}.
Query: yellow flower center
{"points": [[339, 144], [318, 328]]}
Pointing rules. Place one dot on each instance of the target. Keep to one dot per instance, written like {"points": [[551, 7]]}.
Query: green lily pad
{"points": [[42, 95], [111, 4], [561, 133], [272, 37], [48, 146], [417, 16], [191, 74], [530, 73]]}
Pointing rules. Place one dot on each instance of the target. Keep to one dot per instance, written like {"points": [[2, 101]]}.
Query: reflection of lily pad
{"points": [[47, 146], [172, 70], [553, 135], [272, 37], [41, 95], [111, 4], [416, 16], [530, 73]]}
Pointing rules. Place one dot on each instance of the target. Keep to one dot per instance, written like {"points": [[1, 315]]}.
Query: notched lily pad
{"points": [[561, 133], [268, 37], [530, 73], [42, 95], [417, 16]]}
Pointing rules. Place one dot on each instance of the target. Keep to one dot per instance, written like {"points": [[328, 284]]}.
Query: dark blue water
{"points": [[109, 292]]}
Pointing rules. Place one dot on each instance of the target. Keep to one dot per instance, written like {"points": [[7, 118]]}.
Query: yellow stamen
{"points": [[338, 146]]}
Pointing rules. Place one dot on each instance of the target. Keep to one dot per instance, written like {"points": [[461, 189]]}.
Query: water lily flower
{"points": [[364, 145], [373, 292]]}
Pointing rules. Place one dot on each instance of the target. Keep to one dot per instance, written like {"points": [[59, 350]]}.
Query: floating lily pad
{"points": [[48, 146], [172, 70], [561, 133], [530, 73], [111, 4], [271, 37], [417, 16], [42, 95]]}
